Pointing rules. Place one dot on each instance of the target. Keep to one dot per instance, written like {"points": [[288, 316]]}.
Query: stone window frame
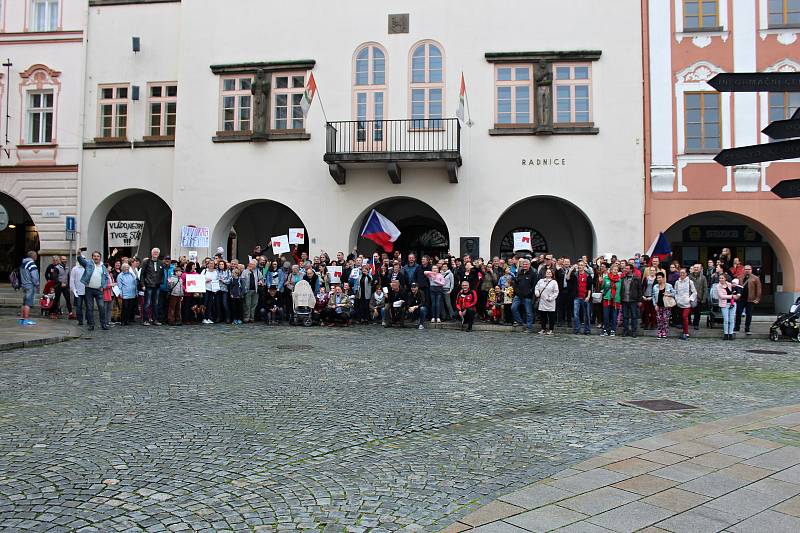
{"points": [[513, 84], [38, 78], [702, 149], [43, 111], [290, 91], [115, 100], [163, 102], [426, 86], [236, 93], [700, 27], [572, 83]]}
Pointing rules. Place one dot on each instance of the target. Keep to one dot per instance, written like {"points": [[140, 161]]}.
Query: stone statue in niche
{"points": [[543, 80], [260, 92]]}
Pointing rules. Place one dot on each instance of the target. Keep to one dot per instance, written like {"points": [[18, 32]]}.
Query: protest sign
{"points": [[124, 233], [297, 235], [193, 256], [194, 237], [195, 283], [335, 273], [522, 241], [280, 244]]}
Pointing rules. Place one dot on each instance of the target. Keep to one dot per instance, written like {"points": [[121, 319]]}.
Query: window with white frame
{"points": [[236, 103], [783, 105], [287, 93], [702, 121], [427, 85], [784, 13], [162, 105], [572, 84], [40, 117], [513, 94], [113, 112], [44, 15], [369, 92], [700, 14]]}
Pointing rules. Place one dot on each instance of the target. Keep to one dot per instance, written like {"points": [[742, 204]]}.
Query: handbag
{"points": [[669, 301], [597, 297]]}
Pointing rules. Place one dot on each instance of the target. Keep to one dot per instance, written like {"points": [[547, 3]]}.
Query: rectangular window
{"points": [[113, 112], [700, 14], [702, 122], [43, 15], [287, 93], [162, 104], [783, 13], [40, 117], [783, 105], [236, 103], [513, 94], [573, 95]]}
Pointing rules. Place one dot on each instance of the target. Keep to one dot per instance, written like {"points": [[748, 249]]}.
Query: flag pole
{"points": [[319, 94], [469, 114]]}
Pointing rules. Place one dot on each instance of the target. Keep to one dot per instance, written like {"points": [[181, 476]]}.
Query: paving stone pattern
{"points": [[215, 429]]}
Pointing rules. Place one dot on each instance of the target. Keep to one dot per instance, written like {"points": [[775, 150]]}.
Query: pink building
{"points": [[701, 205]]}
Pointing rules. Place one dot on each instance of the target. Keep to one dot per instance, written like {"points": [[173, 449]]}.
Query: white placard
{"points": [[193, 256], [124, 233], [280, 244], [194, 237], [117, 291], [195, 283], [335, 273], [215, 286], [522, 241], [297, 235]]}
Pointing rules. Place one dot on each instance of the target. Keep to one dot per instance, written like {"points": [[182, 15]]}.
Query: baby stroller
{"points": [[303, 302], [787, 324], [714, 312]]}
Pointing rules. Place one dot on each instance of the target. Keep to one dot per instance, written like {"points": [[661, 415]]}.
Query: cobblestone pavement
{"points": [[223, 428]]}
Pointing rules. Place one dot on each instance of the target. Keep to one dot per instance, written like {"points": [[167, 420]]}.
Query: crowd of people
{"points": [[390, 289]]}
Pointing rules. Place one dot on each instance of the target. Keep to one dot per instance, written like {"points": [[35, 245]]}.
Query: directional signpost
{"points": [[780, 129]]}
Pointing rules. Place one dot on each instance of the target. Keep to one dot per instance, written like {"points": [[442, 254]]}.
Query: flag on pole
{"points": [[462, 93], [381, 231], [308, 95], [660, 248]]}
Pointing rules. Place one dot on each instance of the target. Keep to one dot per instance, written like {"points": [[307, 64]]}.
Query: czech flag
{"points": [[381, 231], [660, 248]]}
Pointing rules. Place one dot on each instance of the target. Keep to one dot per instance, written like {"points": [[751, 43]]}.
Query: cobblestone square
{"points": [[364, 429]]}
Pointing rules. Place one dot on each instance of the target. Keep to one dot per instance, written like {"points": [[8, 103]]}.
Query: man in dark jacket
{"points": [[630, 296], [392, 310], [151, 275], [524, 284], [417, 305]]}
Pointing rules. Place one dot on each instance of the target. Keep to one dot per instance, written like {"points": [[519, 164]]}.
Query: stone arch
{"points": [[132, 204], [563, 225], [18, 237]]}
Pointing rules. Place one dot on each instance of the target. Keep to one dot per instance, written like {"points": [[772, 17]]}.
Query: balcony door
{"points": [[369, 98], [369, 127]]}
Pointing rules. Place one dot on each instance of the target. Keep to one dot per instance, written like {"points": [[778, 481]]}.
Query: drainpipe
{"points": [[646, 139]]}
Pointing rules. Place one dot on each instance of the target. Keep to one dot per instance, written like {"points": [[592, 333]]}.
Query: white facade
{"points": [[39, 164], [210, 184]]}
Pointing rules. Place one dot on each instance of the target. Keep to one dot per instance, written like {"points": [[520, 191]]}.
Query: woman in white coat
{"points": [[547, 291]]}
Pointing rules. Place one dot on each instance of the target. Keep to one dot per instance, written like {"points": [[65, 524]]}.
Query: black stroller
{"points": [[714, 312], [787, 324]]}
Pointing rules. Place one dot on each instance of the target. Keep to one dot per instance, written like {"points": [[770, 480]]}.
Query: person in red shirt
{"points": [[465, 305]]}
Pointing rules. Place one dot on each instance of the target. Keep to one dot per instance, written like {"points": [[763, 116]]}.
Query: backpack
{"points": [[16, 283]]}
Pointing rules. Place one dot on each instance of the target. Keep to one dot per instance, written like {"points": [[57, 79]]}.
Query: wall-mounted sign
{"points": [[3, 218], [544, 161], [722, 234], [51, 212]]}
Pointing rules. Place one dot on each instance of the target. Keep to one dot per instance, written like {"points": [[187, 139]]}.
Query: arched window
{"points": [[369, 92], [427, 84]]}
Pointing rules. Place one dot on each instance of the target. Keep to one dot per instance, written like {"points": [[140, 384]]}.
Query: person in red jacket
{"points": [[466, 302]]}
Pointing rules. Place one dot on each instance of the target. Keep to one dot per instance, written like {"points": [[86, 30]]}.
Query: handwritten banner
{"points": [[522, 240], [194, 237], [297, 235], [124, 233]]}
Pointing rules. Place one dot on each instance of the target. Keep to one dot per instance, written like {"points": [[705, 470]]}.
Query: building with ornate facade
{"points": [[42, 49], [172, 134], [701, 205]]}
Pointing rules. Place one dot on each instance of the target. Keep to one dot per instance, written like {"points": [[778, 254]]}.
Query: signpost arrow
{"points": [[787, 188], [783, 129], [759, 153], [752, 82]]}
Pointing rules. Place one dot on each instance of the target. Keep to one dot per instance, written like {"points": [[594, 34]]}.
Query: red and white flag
{"points": [[308, 95], [462, 96]]}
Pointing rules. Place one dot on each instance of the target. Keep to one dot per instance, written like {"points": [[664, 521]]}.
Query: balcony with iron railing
{"points": [[407, 142]]}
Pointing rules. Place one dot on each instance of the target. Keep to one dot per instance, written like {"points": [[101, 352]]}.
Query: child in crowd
{"points": [[175, 299], [235, 294]]}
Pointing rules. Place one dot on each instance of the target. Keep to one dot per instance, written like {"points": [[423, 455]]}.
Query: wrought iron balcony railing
{"points": [[393, 142]]}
